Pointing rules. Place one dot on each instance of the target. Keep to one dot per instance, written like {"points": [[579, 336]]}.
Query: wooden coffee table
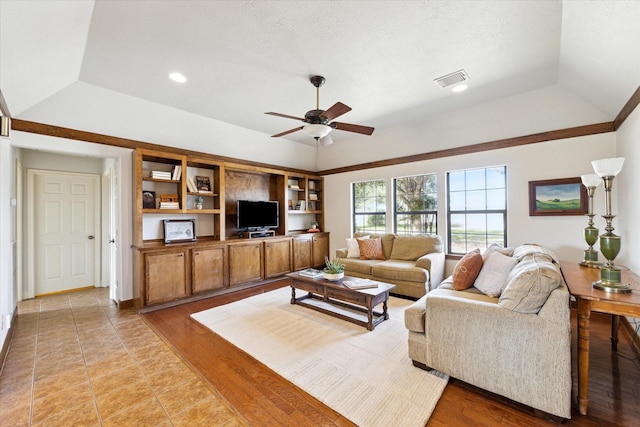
{"points": [[338, 295]]}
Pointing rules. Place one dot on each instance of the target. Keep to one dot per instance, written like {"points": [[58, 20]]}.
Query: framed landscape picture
{"points": [[565, 196]]}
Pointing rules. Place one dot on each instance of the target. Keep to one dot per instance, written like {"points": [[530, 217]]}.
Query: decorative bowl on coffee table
{"points": [[334, 277]]}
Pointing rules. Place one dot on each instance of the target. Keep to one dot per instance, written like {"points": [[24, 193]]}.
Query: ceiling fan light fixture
{"points": [[317, 130]]}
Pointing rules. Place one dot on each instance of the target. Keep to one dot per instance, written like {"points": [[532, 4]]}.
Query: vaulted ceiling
{"points": [[244, 58]]}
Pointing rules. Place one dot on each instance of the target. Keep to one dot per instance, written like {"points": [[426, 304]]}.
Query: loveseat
{"points": [[414, 263], [516, 344]]}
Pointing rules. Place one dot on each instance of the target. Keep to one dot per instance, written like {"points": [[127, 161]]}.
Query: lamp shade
{"points": [[317, 130], [590, 180], [608, 167]]}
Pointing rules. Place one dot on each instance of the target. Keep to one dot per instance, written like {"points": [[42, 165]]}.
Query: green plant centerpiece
{"points": [[334, 269]]}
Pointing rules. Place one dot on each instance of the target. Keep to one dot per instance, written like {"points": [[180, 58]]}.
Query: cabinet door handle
{"points": [[180, 255], [196, 253]]}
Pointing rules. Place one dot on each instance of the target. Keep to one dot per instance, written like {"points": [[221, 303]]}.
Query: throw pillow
{"points": [[370, 248], [353, 249], [410, 248], [494, 247], [530, 283], [494, 273], [466, 270]]}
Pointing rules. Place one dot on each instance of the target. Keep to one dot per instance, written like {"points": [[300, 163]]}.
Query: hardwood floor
{"points": [[265, 399]]}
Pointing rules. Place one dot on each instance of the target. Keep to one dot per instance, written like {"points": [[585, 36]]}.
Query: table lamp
{"points": [[610, 275], [590, 259]]}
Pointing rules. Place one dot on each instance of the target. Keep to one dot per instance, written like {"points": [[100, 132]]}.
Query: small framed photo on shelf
{"points": [[148, 200], [203, 184], [179, 230]]}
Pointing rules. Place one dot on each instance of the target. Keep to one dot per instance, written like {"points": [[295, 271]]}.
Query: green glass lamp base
{"points": [[590, 259], [610, 281]]}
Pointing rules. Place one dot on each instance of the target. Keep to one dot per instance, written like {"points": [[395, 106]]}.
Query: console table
{"points": [[579, 281]]}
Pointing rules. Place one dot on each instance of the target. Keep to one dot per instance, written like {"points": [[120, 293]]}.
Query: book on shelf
{"points": [[161, 175], [169, 205], [310, 272], [177, 173], [360, 283], [203, 184], [313, 196], [191, 185]]}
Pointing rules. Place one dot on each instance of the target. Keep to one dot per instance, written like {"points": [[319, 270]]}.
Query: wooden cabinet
{"points": [[245, 262], [301, 252], [277, 257], [309, 250], [207, 269], [319, 249], [165, 276], [177, 184]]}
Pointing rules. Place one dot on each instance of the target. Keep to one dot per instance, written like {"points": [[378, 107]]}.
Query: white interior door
{"points": [[66, 234]]}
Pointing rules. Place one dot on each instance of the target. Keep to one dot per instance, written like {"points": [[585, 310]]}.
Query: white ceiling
{"points": [[244, 58]]}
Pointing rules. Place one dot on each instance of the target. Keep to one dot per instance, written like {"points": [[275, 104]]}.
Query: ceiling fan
{"points": [[319, 122]]}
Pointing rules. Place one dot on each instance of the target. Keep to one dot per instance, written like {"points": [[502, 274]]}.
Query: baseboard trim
{"points": [[128, 303], [7, 342]]}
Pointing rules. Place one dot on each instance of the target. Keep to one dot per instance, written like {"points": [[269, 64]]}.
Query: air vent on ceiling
{"points": [[452, 79]]}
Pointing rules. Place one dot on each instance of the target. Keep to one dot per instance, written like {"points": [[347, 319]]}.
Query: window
{"points": [[416, 204], [369, 206], [476, 209]]}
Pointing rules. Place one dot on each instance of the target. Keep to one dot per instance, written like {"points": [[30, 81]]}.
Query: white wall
{"points": [[7, 237], [627, 186], [557, 159]]}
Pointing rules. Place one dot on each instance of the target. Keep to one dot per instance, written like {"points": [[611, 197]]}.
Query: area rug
{"points": [[366, 376]]}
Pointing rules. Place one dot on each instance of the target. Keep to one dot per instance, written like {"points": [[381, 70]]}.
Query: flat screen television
{"points": [[258, 214]]}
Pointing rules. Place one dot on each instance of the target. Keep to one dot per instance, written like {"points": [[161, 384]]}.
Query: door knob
{"points": [[91, 237], [112, 241]]}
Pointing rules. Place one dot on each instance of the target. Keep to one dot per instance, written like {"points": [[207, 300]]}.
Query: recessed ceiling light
{"points": [[460, 88], [177, 77]]}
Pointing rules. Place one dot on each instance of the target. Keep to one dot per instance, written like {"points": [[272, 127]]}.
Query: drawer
{"points": [[353, 297], [309, 287]]}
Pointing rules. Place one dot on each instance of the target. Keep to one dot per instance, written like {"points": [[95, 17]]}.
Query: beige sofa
{"points": [[415, 263], [506, 345]]}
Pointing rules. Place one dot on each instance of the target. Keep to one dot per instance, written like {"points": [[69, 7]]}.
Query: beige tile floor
{"points": [[76, 359]]}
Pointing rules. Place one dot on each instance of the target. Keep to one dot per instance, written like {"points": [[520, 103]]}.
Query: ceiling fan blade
{"points": [[353, 128], [336, 110], [326, 140], [286, 116], [286, 132]]}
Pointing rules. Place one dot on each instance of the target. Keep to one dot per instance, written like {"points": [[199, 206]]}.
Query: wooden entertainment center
{"points": [[220, 260]]}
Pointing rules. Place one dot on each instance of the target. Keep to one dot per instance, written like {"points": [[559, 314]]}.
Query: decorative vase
{"points": [[334, 277]]}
